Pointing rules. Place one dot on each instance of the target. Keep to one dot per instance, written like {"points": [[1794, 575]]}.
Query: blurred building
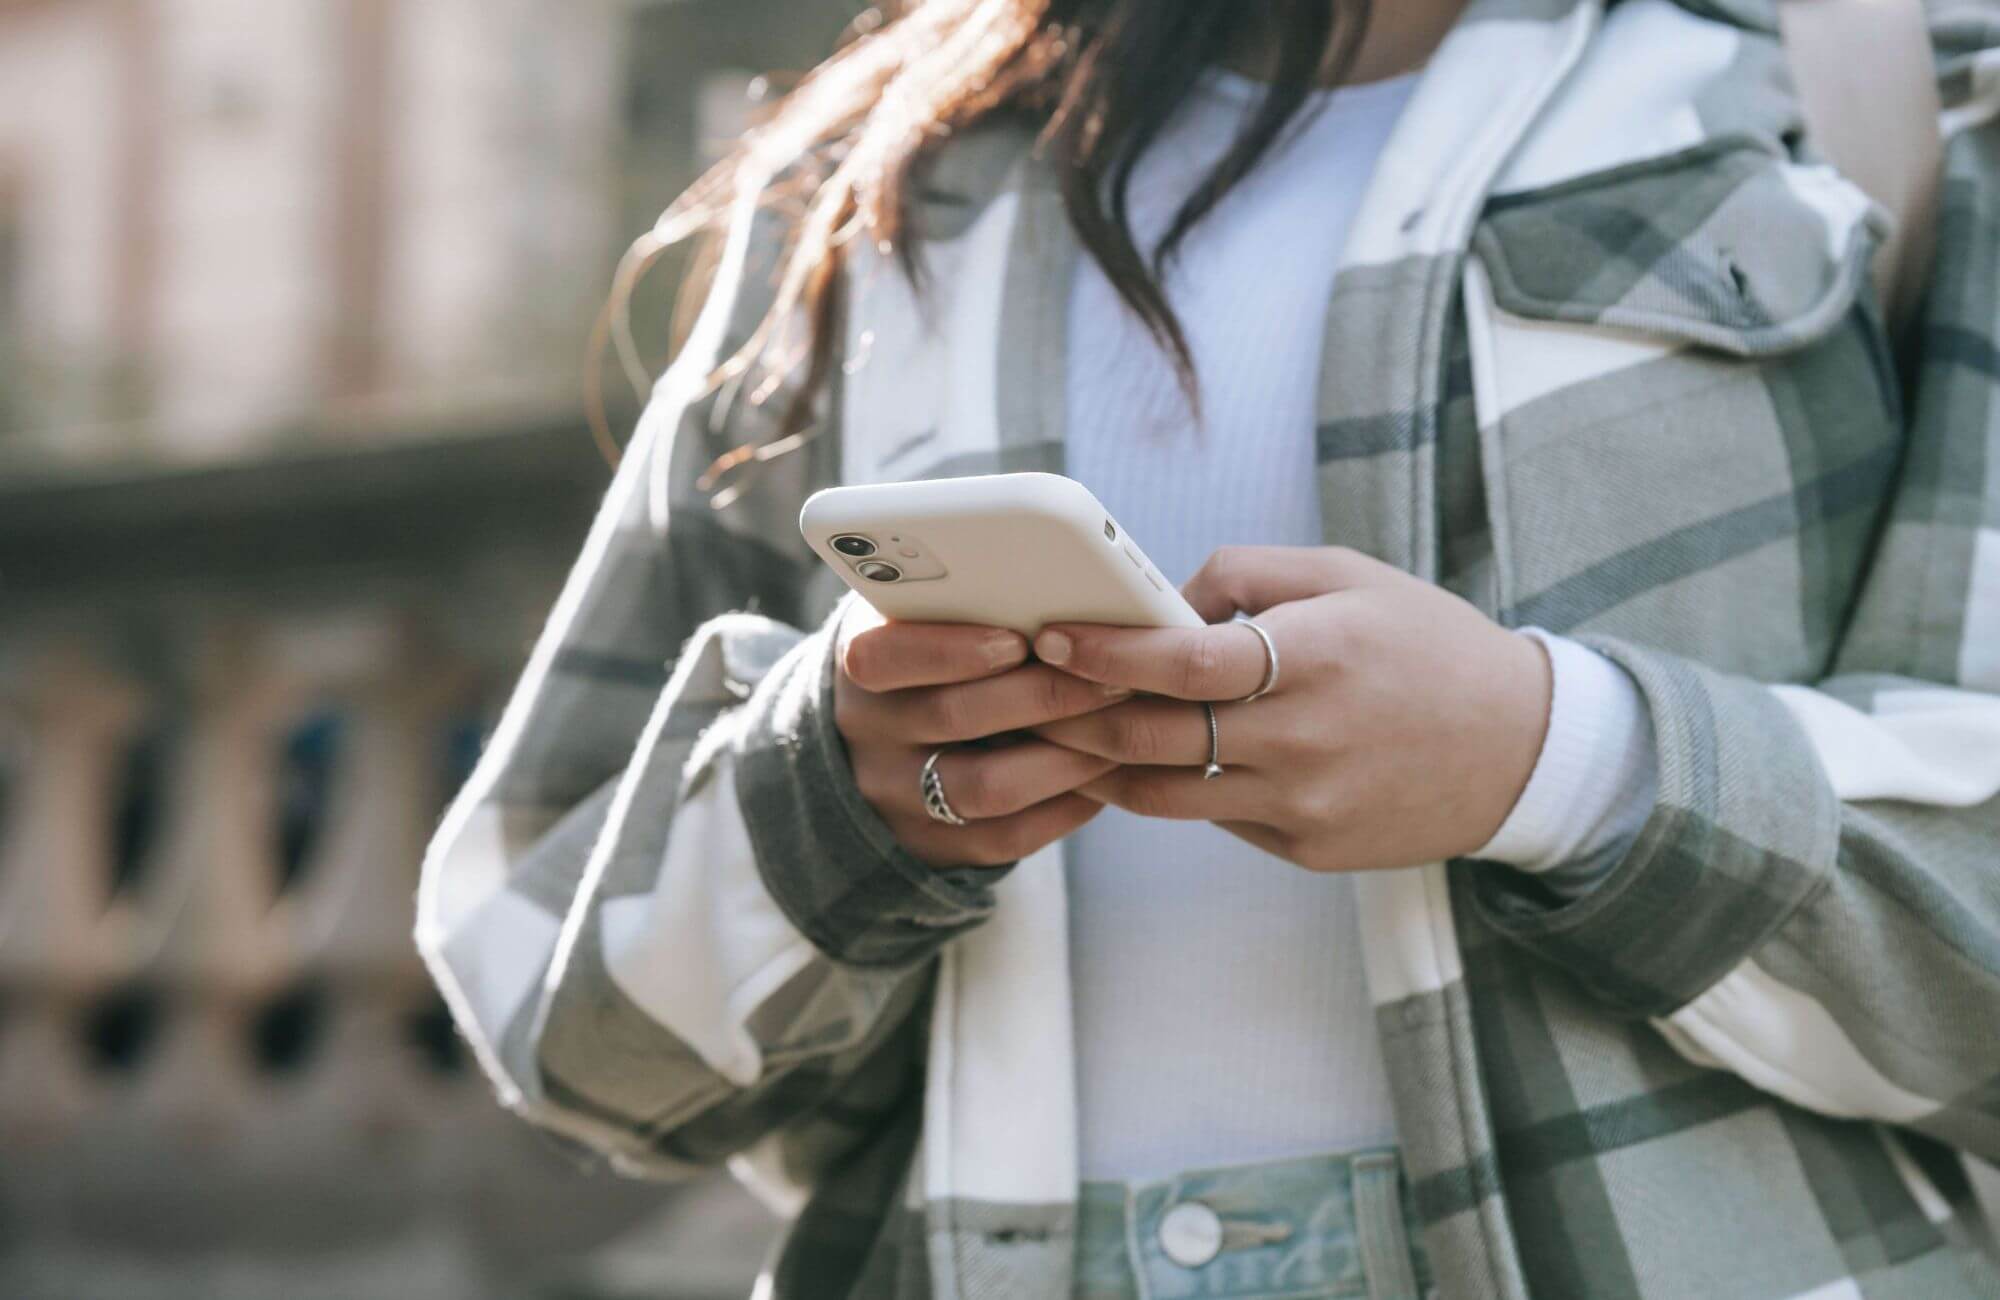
{"points": [[293, 296]]}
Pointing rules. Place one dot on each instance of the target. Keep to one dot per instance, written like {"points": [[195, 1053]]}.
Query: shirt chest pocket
{"points": [[1687, 412]]}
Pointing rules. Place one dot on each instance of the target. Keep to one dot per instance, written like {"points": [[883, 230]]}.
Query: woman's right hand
{"points": [[903, 690]]}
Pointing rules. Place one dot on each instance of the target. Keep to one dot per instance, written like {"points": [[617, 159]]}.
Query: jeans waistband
{"points": [[1316, 1228]]}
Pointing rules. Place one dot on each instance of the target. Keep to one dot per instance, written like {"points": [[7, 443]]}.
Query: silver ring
{"points": [[1270, 663], [1214, 768], [932, 785]]}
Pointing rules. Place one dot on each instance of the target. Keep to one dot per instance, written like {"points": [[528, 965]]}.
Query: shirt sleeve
{"points": [[667, 925], [1596, 779], [1813, 903]]}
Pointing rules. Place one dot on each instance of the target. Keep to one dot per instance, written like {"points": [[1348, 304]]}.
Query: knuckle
{"points": [[1197, 666], [1278, 744], [1133, 737], [947, 715], [1313, 806], [1366, 638], [973, 790], [1225, 561], [1296, 738], [1208, 578], [1056, 695], [1329, 647]]}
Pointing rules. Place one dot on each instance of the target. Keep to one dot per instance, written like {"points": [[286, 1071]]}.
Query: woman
{"points": [[1602, 899]]}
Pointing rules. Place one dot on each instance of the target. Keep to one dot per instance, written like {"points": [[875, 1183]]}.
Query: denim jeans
{"points": [[1309, 1229]]}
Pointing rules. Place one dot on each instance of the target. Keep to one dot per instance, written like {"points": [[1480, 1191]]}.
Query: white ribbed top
{"points": [[1221, 1013]]}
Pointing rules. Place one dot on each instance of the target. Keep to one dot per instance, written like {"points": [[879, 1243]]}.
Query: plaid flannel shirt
{"points": [[1601, 357]]}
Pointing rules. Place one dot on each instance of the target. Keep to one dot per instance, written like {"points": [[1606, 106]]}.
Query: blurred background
{"points": [[293, 301]]}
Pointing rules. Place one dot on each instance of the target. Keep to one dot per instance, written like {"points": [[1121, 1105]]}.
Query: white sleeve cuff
{"points": [[1595, 782]]}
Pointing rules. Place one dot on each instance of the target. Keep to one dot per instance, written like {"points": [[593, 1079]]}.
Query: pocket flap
{"points": [[1726, 245]]}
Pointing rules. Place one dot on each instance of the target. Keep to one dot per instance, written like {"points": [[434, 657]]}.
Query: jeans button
{"points": [[1191, 1234]]}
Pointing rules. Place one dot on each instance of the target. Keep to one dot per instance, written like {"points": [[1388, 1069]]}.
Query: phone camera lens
{"points": [[854, 545], [878, 571]]}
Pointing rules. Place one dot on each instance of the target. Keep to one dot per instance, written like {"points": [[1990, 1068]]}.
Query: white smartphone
{"points": [[1018, 551]]}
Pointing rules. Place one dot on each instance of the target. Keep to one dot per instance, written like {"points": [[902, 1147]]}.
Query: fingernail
{"points": [[1002, 650], [1052, 648]]}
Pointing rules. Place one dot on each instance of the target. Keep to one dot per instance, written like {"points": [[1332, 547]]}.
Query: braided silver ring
{"points": [[932, 785], [1270, 663], [1214, 768]]}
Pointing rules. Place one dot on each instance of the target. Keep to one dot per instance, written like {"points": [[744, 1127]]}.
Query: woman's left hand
{"points": [[1403, 727]]}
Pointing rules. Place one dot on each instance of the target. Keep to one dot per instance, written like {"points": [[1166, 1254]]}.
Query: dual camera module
{"points": [[857, 547]]}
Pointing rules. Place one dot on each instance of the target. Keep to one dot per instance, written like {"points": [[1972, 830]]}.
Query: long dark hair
{"points": [[1097, 79]]}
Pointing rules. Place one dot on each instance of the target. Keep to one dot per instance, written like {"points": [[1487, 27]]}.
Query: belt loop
{"points": [[1379, 1228]]}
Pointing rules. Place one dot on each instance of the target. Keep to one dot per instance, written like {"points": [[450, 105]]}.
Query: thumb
{"points": [[1251, 579]]}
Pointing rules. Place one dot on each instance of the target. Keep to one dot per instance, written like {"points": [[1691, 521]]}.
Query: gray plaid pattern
{"points": [[1702, 244], [1646, 401]]}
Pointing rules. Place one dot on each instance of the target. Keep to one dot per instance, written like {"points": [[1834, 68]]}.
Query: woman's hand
{"points": [[904, 690], [1404, 725]]}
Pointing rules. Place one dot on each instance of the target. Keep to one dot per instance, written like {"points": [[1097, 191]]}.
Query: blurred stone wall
{"points": [[292, 306]]}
